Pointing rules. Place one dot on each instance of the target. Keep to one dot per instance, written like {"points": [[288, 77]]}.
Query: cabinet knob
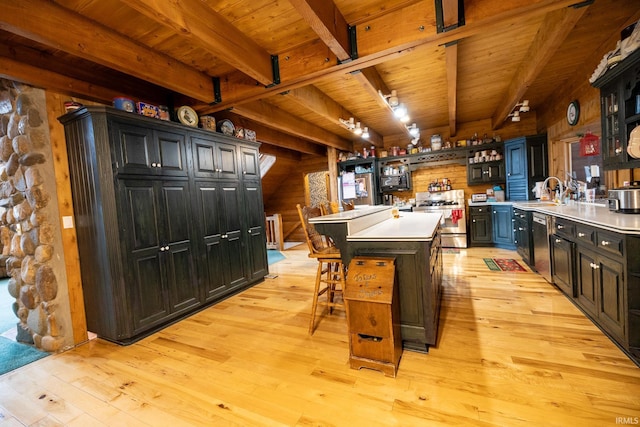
{"points": [[166, 248], [605, 243], [560, 227], [224, 236], [520, 229], [473, 220], [244, 172], [581, 234], [479, 209], [558, 240], [153, 165]]}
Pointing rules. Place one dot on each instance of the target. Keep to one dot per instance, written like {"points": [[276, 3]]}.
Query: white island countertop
{"points": [[346, 216], [409, 227]]}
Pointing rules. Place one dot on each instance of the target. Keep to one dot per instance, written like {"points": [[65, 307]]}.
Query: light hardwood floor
{"points": [[512, 351]]}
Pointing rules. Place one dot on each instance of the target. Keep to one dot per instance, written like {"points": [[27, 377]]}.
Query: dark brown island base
{"points": [[413, 239]]}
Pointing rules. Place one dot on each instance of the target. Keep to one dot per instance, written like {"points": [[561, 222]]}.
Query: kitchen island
{"points": [[413, 239]]}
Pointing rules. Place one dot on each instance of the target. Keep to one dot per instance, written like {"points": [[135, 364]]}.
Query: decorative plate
{"points": [[187, 116], [226, 127]]}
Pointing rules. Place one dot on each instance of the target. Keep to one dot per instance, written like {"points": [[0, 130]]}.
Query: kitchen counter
{"points": [[596, 214], [409, 227]]}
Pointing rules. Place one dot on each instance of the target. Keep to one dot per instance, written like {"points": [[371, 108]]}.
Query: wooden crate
{"points": [[373, 315]]}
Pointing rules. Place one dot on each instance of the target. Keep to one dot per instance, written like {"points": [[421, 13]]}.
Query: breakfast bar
{"points": [[413, 239]]}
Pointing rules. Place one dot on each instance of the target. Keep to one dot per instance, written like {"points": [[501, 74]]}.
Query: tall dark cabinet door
{"points": [[177, 247], [212, 270], [232, 215], [146, 278], [258, 266]]}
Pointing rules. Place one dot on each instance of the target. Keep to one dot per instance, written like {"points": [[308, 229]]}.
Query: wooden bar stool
{"points": [[330, 276]]}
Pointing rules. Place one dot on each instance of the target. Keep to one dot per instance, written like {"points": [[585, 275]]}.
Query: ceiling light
{"points": [[357, 130], [400, 111], [413, 130], [515, 116], [392, 98], [365, 133], [349, 124], [524, 106], [405, 118]]}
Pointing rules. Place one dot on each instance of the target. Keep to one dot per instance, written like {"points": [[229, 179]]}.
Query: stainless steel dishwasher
{"points": [[541, 255]]}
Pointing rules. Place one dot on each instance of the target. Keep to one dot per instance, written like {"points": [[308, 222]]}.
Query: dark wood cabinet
{"points": [[168, 218], [481, 228], [620, 111], [525, 164], [140, 150], [522, 235], [482, 173], [562, 269]]}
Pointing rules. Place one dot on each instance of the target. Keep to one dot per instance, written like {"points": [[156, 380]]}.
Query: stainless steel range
{"points": [[454, 219]]}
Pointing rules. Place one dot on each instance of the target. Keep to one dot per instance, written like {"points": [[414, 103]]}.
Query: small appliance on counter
{"points": [[625, 199], [479, 197]]}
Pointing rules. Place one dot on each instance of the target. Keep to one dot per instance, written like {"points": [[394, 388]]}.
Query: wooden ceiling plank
{"points": [[385, 40], [49, 24], [40, 77], [328, 23], [315, 100], [451, 57], [552, 33], [277, 118], [194, 19]]}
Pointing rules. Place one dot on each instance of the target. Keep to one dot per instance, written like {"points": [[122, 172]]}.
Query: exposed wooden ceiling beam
{"points": [[554, 30], [328, 23], [57, 27], [272, 116], [313, 99], [39, 77], [451, 58], [194, 19], [389, 36], [274, 137]]}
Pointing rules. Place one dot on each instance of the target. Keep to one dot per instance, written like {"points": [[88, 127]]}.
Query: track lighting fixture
{"points": [[355, 127], [520, 107], [414, 131]]}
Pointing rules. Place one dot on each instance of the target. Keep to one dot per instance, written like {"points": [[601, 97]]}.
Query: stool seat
{"points": [[330, 275]]}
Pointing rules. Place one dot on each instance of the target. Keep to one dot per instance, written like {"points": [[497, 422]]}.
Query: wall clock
{"points": [[573, 113]]}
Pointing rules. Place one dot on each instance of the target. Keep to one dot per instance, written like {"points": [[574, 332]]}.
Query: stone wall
{"points": [[29, 224]]}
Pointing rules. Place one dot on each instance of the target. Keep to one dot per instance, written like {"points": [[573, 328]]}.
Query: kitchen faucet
{"points": [[544, 186]]}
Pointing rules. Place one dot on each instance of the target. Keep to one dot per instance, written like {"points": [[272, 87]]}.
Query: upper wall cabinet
{"points": [[620, 111], [140, 150]]}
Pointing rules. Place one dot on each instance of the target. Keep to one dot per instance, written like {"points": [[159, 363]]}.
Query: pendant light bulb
{"points": [[365, 133], [400, 111], [357, 130]]}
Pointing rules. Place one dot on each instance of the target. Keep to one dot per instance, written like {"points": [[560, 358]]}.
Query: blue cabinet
{"points": [[503, 224], [525, 164]]}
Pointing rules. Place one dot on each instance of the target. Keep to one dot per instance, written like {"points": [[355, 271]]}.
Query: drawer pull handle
{"points": [[560, 227], [373, 338], [558, 240], [605, 243], [581, 234], [520, 228]]}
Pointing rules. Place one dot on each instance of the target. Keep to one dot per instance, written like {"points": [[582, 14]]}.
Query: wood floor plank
{"points": [[512, 351]]}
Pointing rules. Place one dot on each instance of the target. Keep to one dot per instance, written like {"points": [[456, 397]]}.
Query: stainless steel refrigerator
{"points": [[357, 187]]}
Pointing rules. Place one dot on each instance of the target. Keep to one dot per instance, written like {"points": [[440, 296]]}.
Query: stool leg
{"points": [[315, 298]]}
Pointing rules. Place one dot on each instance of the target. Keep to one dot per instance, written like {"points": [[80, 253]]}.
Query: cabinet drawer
{"points": [[609, 241], [564, 227], [474, 210], [585, 234]]}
